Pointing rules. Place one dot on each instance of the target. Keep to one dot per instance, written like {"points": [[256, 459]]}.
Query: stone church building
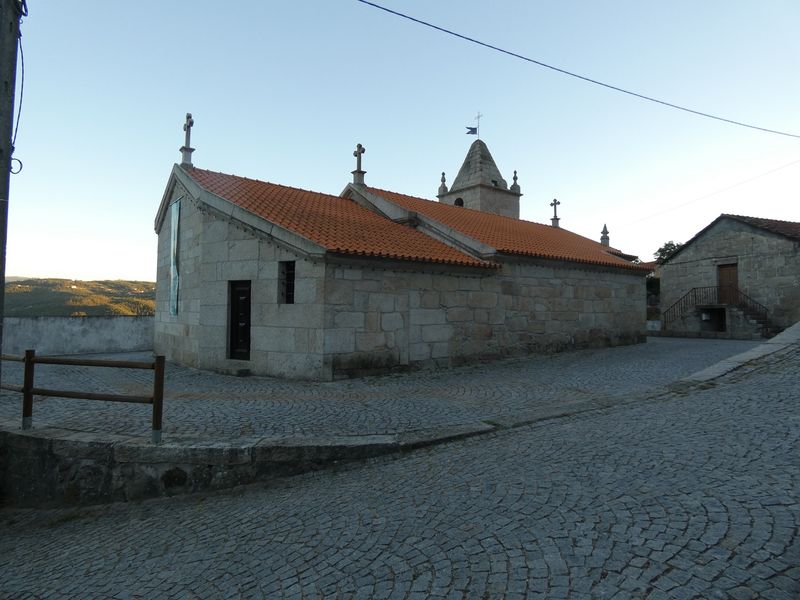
{"points": [[255, 277]]}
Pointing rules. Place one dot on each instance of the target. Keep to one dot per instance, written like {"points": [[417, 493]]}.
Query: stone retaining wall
{"points": [[77, 335], [47, 467]]}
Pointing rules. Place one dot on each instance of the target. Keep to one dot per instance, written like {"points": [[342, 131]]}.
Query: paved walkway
{"points": [[212, 407], [691, 494]]}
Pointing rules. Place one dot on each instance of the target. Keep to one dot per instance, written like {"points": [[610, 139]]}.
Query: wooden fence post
{"points": [[158, 398], [27, 389]]}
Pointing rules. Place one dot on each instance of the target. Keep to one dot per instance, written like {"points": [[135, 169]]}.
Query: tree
{"points": [[667, 250]]}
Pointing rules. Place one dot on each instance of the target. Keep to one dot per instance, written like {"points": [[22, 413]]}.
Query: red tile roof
{"points": [[337, 224], [789, 229], [512, 236]]}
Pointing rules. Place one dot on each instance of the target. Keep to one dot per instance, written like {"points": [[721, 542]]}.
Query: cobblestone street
{"points": [[223, 407], [692, 494]]}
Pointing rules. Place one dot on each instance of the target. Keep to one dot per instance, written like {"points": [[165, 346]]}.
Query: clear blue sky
{"points": [[283, 91]]}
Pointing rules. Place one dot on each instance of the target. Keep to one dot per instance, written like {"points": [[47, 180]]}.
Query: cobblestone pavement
{"points": [[694, 494], [223, 407]]}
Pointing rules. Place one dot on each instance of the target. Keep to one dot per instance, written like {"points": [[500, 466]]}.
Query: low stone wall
{"points": [[77, 335], [49, 467]]}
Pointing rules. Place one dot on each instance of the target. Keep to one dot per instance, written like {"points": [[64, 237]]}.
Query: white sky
{"points": [[283, 91]]}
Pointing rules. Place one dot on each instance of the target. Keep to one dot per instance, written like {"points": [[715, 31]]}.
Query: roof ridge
{"points": [[462, 208], [280, 185], [759, 218], [509, 235]]}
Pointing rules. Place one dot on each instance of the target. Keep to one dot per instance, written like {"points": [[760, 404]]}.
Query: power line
{"points": [[571, 74], [730, 187]]}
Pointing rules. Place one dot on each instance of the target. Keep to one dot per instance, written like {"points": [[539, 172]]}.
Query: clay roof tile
{"points": [[513, 236], [788, 229], [337, 224]]}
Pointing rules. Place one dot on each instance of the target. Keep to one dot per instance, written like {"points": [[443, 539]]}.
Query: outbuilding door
{"points": [[728, 281]]}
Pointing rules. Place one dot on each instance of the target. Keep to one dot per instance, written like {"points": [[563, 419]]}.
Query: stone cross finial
{"points": [[187, 127], [358, 174], [186, 150], [555, 203], [358, 152]]}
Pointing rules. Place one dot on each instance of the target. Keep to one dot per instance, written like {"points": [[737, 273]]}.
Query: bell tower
{"points": [[480, 186]]}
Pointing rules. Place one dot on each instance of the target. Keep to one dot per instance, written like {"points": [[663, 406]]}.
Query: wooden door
{"points": [[728, 282], [239, 320]]}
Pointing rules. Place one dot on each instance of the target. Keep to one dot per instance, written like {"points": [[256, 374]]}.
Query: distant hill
{"points": [[67, 297]]}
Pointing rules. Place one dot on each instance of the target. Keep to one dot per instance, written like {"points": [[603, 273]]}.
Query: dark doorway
{"points": [[728, 282], [239, 320], [712, 319]]}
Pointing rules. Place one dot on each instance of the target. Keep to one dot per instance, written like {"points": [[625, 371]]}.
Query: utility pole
{"points": [[11, 12]]}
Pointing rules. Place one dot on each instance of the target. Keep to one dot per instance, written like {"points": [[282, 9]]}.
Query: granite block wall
{"points": [[377, 320], [177, 336], [286, 339], [77, 335]]}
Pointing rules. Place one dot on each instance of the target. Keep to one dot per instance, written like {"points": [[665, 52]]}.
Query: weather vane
{"points": [[477, 129]]}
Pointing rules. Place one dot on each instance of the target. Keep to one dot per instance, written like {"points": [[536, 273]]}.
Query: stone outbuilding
{"points": [[739, 277], [256, 277]]}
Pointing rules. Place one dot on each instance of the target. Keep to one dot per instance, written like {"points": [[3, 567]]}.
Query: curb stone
{"points": [[788, 338]]}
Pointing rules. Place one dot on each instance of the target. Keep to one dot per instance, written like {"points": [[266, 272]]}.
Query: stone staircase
{"points": [[743, 311], [761, 323]]}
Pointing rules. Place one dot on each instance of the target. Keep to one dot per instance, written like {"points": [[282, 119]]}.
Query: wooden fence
{"points": [[29, 390]]}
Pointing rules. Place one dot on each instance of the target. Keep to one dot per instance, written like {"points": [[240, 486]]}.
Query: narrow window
{"points": [[174, 219], [459, 202], [239, 320], [286, 282]]}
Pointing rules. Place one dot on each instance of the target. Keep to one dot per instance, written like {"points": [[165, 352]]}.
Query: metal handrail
{"points": [[717, 294]]}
